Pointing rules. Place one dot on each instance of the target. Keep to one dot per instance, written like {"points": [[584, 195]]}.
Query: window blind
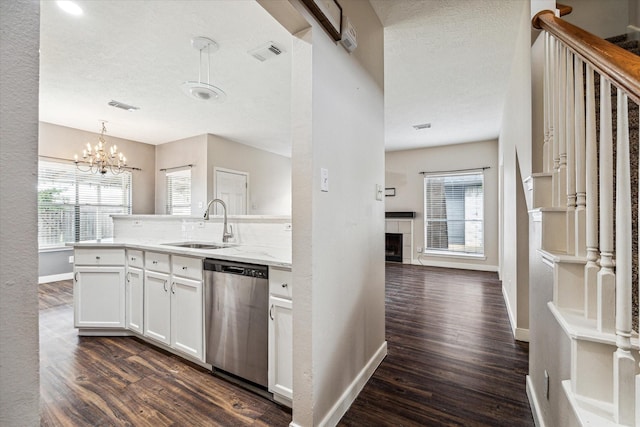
{"points": [[75, 205], [179, 192], [454, 213]]}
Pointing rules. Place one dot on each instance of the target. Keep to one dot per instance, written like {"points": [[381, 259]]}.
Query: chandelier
{"points": [[99, 159]]}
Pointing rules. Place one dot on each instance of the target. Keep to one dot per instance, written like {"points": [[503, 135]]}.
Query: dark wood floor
{"points": [[452, 361]]}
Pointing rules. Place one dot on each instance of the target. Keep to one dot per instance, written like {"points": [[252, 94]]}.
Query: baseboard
{"points": [[455, 264], [534, 405], [522, 334], [512, 320], [55, 277], [344, 402]]}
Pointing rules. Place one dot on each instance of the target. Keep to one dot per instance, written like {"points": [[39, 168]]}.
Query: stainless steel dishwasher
{"points": [[236, 323]]}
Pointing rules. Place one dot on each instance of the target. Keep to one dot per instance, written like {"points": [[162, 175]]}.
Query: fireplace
{"points": [[393, 247]]}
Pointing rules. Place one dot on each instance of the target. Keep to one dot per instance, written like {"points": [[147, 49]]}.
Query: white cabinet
{"points": [[186, 316], [135, 299], [173, 303], [280, 335], [157, 306], [99, 288]]}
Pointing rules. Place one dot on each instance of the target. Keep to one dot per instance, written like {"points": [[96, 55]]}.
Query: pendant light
{"points": [[201, 90]]}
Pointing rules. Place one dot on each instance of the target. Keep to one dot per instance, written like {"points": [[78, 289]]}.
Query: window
{"points": [[75, 205], [454, 213], [179, 192]]}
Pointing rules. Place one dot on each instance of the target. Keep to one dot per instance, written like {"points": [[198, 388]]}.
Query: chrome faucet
{"points": [[225, 232]]}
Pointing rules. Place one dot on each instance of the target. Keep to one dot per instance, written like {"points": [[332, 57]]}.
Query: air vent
{"points": [[422, 126], [266, 51], [123, 106]]}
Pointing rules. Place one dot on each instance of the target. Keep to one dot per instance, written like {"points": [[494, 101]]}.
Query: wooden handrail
{"points": [[621, 67], [564, 9]]}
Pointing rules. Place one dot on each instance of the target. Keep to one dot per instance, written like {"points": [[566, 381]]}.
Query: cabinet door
{"points": [[186, 317], [280, 347], [157, 307], [99, 297], [135, 299]]}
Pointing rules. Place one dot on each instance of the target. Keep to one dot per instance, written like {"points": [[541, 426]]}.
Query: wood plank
{"points": [[452, 361]]}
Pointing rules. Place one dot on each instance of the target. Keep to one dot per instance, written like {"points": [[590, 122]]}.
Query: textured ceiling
{"points": [[446, 63], [139, 52]]}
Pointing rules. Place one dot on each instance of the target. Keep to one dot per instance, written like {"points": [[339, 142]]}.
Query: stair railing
{"points": [[571, 156]]}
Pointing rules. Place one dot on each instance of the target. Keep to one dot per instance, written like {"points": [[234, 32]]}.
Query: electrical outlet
{"points": [[324, 179], [71, 259], [200, 224], [546, 384], [419, 250], [137, 223]]}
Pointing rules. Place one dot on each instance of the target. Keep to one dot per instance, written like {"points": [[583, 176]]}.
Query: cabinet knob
{"points": [[133, 258], [184, 268], [97, 257], [155, 262], [284, 285]]}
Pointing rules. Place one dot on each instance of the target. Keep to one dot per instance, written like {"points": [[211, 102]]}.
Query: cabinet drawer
{"points": [[98, 256], [135, 258], [157, 262], [188, 267], [280, 282]]}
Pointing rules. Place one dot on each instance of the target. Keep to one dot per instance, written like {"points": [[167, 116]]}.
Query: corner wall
{"points": [[515, 164], [338, 236], [402, 172], [19, 70]]}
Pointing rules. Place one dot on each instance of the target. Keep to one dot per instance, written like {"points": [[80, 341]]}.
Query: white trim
{"points": [[522, 334], [512, 319], [55, 277], [450, 254], [534, 404], [350, 394], [54, 249], [454, 264]]}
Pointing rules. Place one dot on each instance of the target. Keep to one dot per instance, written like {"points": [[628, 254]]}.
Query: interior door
{"points": [[231, 187]]}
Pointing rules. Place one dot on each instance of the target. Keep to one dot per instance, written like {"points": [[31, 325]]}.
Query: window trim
{"points": [[449, 253]]}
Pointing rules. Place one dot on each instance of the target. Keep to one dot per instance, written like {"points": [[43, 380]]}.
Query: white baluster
{"points": [[561, 131], [623, 361], [606, 275], [555, 99], [547, 156], [591, 268], [581, 191], [571, 153]]}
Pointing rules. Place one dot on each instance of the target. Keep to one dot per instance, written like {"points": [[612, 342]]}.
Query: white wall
{"points": [[188, 151], [19, 363], [402, 172], [338, 236], [269, 174], [515, 164], [604, 18], [64, 142]]}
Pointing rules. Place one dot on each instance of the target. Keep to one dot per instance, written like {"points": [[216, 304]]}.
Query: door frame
{"points": [[237, 172]]}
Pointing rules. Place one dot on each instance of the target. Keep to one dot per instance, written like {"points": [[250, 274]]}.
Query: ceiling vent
{"points": [[266, 51], [422, 126], [123, 106]]}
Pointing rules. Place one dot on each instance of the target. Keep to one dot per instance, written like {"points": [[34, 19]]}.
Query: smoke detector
{"points": [[266, 51], [199, 89]]}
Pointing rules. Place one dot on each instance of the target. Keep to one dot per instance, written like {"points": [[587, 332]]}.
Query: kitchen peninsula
{"points": [[149, 281]]}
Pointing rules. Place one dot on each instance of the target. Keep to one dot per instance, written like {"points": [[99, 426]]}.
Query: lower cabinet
{"points": [[99, 297], [173, 312], [135, 299], [280, 347], [280, 335], [186, 317], [157, 306]]}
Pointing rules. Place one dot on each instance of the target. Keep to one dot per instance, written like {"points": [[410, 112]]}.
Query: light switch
{"points": [[379, 192], [324, 179]]}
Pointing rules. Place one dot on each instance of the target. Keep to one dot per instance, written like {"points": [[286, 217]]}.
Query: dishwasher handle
{"points": [[237, 268]]}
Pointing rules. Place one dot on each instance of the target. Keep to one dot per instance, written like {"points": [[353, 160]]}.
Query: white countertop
{"points": [[272, 256]]}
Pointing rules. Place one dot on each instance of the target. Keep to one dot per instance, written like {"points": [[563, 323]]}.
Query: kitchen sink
{"points": [[198, 245]]}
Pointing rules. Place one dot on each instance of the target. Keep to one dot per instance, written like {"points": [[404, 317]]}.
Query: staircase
{"points": [[584, 221]]}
